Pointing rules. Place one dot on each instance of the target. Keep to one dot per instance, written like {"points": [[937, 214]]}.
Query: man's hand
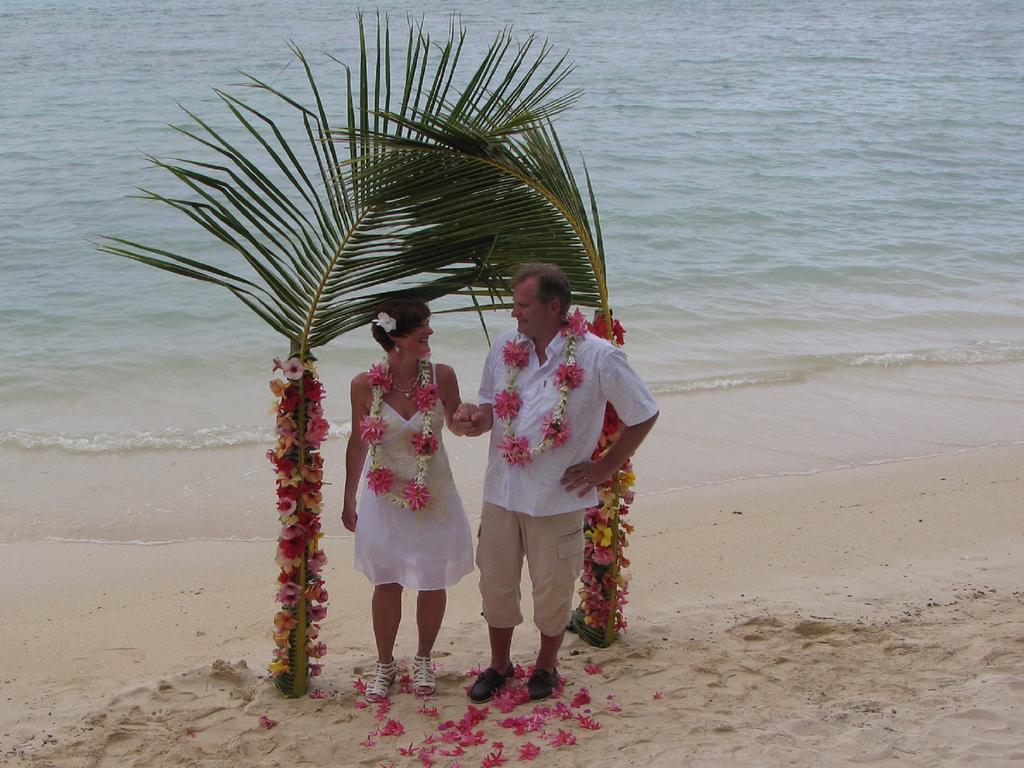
{"points": [[585, 476], [590, 474]]}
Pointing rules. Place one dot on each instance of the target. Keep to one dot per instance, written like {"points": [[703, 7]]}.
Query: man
{"points": [[542, 395]]}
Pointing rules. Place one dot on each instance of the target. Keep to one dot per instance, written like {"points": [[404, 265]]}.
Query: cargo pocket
{"points": [[570, 545]]}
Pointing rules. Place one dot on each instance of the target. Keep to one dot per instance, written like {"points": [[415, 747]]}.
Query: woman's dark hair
{"points": [[408, 315]]}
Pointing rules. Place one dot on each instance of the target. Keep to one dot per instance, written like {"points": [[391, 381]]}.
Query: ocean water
{"points": [[822, 200]]}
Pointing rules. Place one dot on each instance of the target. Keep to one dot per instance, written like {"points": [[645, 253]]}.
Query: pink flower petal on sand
{"points": [[592, 669], [658, 695], [408, 751], [562, 739], [392, 728], [405, 683], [318, 694], [528, 751], [266, 723], [473, 716], [493, 759], [588, 723], [510, 697], [613, 707], [360, 704], [582, 697], [562, 712], [367, 743]]}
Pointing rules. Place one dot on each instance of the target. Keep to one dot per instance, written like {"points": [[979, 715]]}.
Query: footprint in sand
{"points": [[812, 629]]}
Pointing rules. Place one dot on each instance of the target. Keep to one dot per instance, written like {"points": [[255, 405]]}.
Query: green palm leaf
{"points": [[422, 188]]}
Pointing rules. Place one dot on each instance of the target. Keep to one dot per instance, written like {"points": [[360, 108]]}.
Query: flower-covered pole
{"points": [[604, 586], [301, 428]]}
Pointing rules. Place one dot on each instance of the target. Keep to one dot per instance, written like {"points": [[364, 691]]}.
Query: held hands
{"points": [[586, 475], [471, 419]]}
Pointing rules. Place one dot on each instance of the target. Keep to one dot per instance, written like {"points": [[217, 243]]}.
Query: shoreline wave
{"points": [[796, 371], [171, 438], [803, 368]]}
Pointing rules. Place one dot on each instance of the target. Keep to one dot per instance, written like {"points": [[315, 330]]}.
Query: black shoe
{"points": [[488, 682], [542, 684]]}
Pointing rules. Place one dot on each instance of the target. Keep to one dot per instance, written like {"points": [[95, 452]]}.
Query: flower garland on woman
{"points": [[380, 479], [410, 528]]}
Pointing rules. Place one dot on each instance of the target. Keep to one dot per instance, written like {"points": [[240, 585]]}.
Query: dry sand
{"points": [[864, 616]]}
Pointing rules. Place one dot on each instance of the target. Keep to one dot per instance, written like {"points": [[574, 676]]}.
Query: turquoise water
{"points": [[789, 190]]}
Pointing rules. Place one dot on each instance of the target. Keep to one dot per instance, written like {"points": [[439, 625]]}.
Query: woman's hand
{"points": [[349, 516]]}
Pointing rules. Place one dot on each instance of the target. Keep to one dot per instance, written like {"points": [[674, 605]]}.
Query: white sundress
{"points": [[431, 548]]}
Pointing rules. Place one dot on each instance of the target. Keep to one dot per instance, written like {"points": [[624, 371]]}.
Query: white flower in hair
{"points": [[386, 321]]}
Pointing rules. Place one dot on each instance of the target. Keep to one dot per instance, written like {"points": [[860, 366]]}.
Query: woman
{"points": [[411, 529]]}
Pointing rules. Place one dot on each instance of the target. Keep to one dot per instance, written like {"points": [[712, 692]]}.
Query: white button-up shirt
{"points": [[534, 488]]}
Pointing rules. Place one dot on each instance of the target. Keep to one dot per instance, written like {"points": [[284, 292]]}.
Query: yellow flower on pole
{"points": [[278, 667]]}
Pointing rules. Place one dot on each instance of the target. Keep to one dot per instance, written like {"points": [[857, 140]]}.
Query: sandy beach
{"points": [[812, 219], [858, 616]]}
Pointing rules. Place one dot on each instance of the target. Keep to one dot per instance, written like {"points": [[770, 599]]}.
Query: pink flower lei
{"points": [[507, 403], [415, 494]]}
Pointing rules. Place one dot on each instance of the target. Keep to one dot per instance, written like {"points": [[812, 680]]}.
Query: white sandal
{"points": [[424, 683], [379, 687]]}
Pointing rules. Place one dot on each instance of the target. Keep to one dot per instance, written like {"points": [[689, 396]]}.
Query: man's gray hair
{"points": [[551, 283]]}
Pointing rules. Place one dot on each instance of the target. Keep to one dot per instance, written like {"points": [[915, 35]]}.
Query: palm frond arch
{"points": [[423, 187]]}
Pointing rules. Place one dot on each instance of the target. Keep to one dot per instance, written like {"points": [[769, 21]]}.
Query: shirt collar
{"points": [[554, 348]]}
